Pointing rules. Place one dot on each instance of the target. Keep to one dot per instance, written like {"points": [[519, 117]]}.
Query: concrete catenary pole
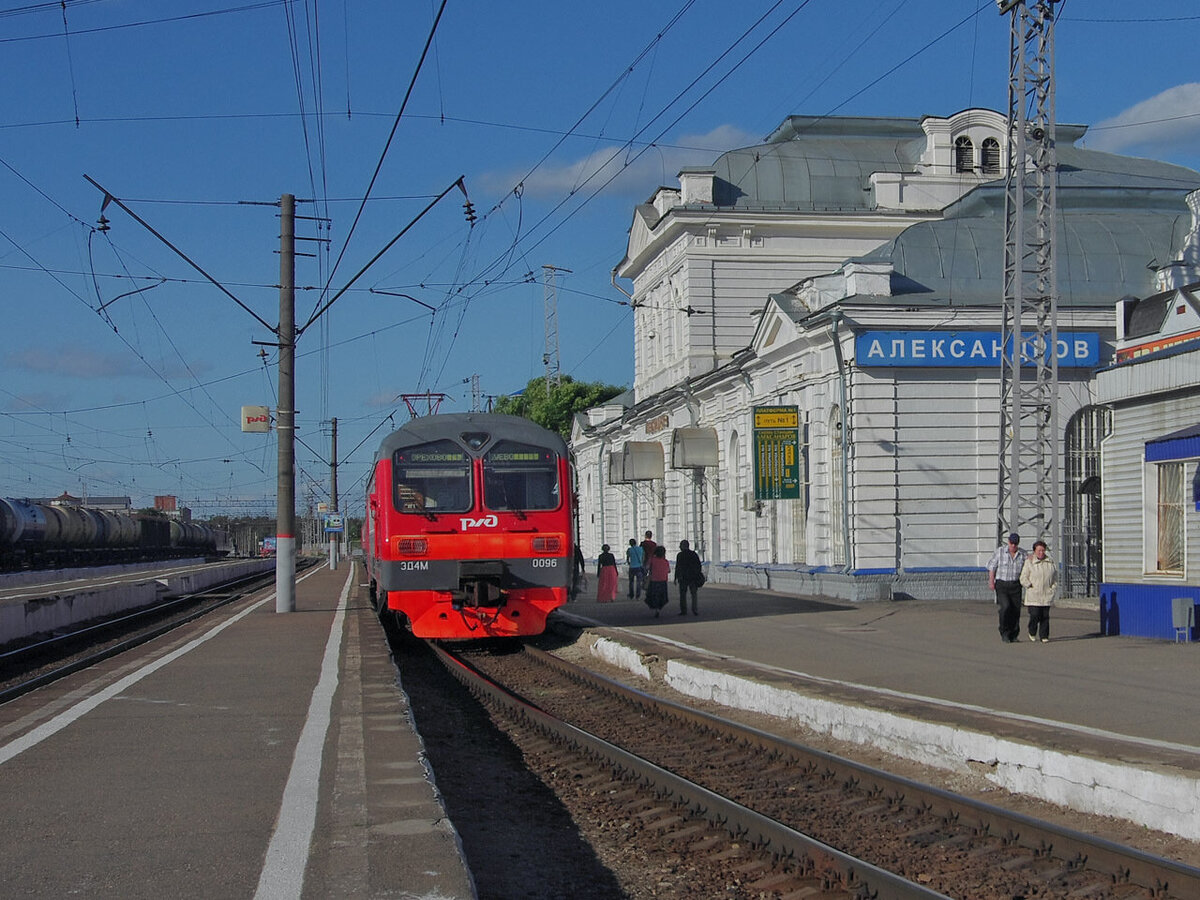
{"points": [[334, 536], [285, 509]]}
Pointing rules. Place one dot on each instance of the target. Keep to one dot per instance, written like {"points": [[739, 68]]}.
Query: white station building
{"points": [[816, 398]]}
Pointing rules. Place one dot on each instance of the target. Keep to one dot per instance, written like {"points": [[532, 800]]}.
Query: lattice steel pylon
{"points": [[550, 306], [476, 394], [1028, 500]]}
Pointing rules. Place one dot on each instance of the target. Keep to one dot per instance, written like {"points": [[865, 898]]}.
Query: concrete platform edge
{"points": [[1164, 800]]}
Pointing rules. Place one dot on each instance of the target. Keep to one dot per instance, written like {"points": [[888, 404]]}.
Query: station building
{"points": [[1150, 463], [822, 313]]}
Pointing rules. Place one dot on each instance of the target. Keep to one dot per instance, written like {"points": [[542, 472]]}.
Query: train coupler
{"points": [[476, 594]]}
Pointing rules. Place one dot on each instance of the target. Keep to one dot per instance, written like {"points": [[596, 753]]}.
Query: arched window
{"points": [[990, 156], [1082, 554], [964, 155]]}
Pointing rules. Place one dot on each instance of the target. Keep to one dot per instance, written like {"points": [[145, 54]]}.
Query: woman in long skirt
{"points": [[606, 576]]}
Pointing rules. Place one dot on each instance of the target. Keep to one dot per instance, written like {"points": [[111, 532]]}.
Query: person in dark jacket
{"points": [[689, 575], [578, 572]]}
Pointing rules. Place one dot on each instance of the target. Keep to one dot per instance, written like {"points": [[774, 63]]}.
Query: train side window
{"points": [[432, 478], [520, 476]]}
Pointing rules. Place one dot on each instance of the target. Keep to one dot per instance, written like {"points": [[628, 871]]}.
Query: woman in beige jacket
{"points": [[1039, 577]]}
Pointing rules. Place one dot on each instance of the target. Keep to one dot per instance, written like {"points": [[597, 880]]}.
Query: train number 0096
{"points": [[545, 563]]}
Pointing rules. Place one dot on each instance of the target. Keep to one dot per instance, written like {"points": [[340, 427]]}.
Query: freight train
{"points": [[467, 532], [38, 535]]}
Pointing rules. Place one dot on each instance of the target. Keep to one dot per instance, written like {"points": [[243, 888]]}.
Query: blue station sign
{"points": [[1076, 349]]}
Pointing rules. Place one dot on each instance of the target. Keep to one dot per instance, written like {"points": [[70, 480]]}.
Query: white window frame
{"points": [[964, 152], [1156, 508]]}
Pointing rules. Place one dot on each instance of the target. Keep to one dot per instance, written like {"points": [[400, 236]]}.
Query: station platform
{"points": [[249, 754], [1104, 725], [271, 755]]}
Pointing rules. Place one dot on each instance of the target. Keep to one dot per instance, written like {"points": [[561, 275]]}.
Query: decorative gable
{"points": [[776, 329]]}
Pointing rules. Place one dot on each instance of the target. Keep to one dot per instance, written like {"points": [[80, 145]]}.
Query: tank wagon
{"points": [[467, 532], [38, 535]]}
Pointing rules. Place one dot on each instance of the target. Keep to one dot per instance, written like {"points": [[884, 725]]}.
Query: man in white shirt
{"points": [[1004, 577]]}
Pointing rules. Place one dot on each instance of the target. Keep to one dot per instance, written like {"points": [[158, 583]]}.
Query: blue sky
{"points": [[124, 370]]}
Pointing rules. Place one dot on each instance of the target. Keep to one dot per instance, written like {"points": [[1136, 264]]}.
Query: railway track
{"points": [[819, 823], [52, 656]]}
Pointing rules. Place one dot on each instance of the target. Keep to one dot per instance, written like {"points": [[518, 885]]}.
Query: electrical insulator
{"points": [[469, 209]]}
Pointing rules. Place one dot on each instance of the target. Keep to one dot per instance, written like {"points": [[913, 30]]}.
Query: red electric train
{"points": [[467, 531]]}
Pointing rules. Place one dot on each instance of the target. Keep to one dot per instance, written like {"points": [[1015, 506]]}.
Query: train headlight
{"points": [[549, 544], [412, 546]]}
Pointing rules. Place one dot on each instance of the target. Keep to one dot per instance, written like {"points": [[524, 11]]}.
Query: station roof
{"points": [[1103, 253], [816, 162]]}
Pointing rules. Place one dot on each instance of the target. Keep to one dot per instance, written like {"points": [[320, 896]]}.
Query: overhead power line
{"points": [[382, 156], [110, 198]]}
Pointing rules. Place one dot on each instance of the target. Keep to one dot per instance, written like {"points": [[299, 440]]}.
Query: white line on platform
{"points": [[83, 707], [282, 875]]}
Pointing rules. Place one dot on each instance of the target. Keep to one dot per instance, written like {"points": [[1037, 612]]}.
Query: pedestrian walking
{"points": [[656, 589], [606, 576], [637, 578], [1004, 577], [689, 575], [1039, 577], [648, 546]]}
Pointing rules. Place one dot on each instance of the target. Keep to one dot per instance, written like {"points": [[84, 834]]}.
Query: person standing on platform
{"points": [[656, 590], [578, 573], [637, 576], [1039, 577], [689, 575], [606, 576], [1004, 577]]}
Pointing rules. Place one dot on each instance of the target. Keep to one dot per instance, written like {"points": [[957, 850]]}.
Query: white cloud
{"points": [[78, 362], [34, 401], [383, 400], [635, 171], [73, 361], [1164, 123]]}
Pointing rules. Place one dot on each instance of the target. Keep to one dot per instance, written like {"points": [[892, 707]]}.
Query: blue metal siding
{"points": [[1142, 610], [1179, 448]]}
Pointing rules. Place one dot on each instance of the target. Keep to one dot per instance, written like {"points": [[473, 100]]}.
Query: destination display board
{"points": [[776, 453]]}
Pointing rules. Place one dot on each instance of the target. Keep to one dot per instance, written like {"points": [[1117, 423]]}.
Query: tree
{"points": [[556, 409]]}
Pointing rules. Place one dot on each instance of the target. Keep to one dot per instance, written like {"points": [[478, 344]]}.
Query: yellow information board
{"points": [[776, 453], [776, 417]]}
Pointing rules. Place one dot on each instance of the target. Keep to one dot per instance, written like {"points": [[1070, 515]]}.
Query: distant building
{"points": [[843, 282], [115, 504]]}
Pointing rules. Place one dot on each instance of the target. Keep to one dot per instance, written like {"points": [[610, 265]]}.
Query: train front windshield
{"points": [[520, 477], [432, 478]]}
